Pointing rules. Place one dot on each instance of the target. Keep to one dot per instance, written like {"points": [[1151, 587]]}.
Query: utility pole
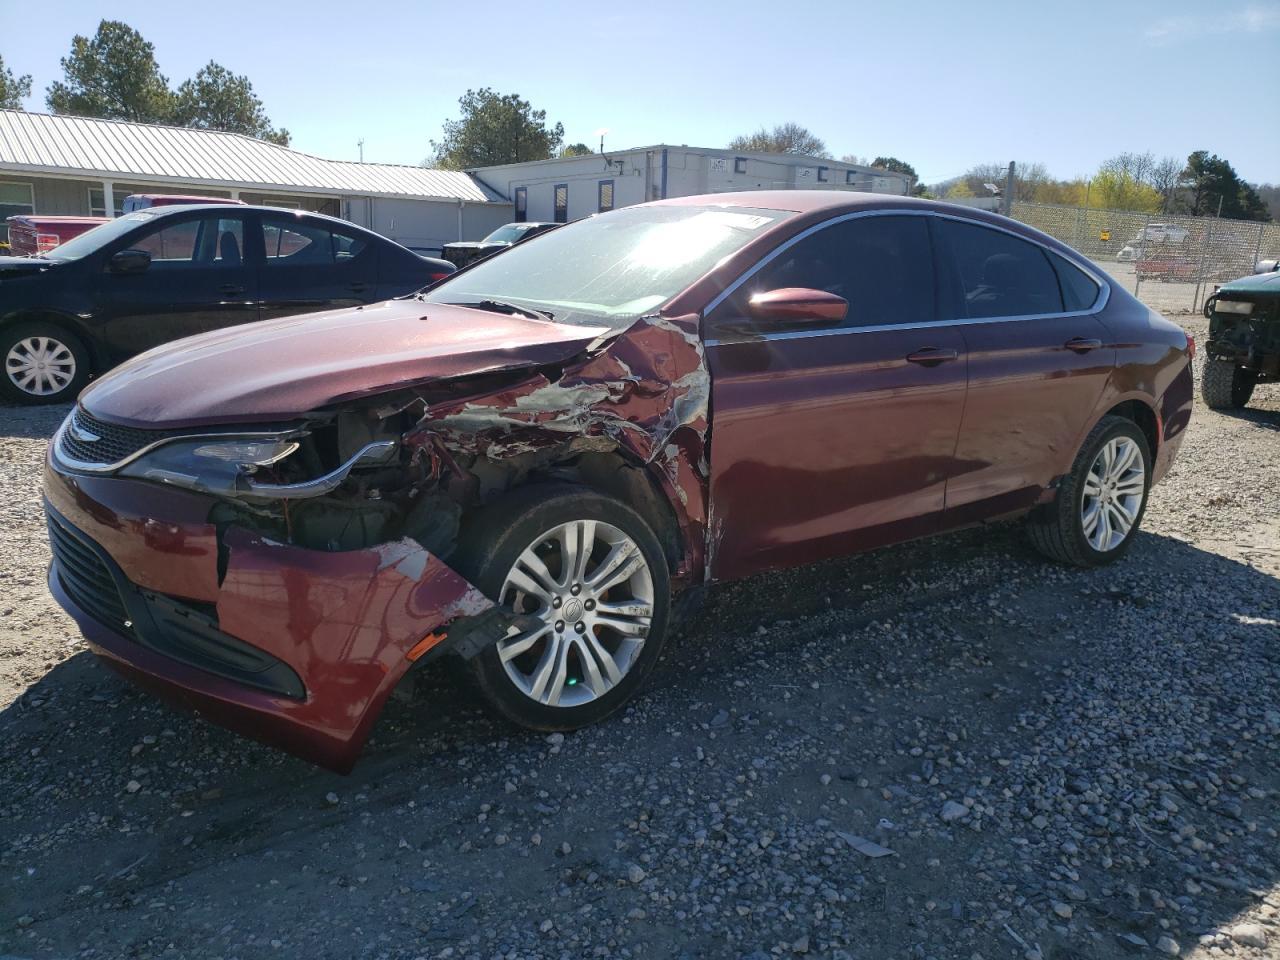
{"points": [[360, 144], [1008, 191]]}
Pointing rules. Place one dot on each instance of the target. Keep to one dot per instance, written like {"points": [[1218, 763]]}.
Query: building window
{"points": [[98, 202], [562, 203], [850, 176], [739, 164], [522, 204], [605, 196], [16, 200], [822, 174]]}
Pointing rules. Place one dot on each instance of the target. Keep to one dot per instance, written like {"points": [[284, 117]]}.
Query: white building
{"points": [[571, 187], [52, 164]]}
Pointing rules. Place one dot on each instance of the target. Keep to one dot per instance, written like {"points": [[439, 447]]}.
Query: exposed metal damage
{"points": [[401, 473]]}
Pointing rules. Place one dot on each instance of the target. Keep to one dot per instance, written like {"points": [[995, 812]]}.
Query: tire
{"points": [[1225, 386], [66, 362], [1060, 530], [510, 673]]}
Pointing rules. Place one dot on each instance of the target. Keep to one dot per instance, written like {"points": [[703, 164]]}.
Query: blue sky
{"points": [[940, 85]]}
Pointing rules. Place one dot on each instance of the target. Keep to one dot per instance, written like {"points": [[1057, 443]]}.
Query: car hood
{"points": [[1261, 283], [10, 266], [281, 369]]}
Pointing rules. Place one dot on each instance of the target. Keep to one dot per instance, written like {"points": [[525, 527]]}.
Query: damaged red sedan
{"points": [[526, 465]]}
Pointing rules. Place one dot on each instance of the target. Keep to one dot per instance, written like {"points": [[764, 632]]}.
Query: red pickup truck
{"points": [[31, 235]]}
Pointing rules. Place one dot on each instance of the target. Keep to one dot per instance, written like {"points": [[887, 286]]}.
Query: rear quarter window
{"points": [[1079, 291]]}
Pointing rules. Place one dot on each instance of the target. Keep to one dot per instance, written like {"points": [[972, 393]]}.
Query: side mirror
{"points": [[798, 305], [129, 261]]}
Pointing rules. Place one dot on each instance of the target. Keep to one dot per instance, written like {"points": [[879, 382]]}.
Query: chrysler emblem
{"points": [[83, 435]]}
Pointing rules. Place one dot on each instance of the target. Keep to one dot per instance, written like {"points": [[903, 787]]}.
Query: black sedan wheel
{"points": [[42, 363]]}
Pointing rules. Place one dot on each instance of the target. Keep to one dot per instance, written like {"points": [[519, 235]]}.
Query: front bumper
{"points": [[297, 648]]}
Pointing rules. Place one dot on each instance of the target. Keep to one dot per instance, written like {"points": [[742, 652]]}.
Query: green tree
{"points": [[784, 138], [894, 165], [1117, 189], [217, 99], [495, 128], [1210, 184], [577, 150], [114, 76], [13, 88]]}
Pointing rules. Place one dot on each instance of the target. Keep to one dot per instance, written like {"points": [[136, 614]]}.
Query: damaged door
{"points": [[828, 439]]}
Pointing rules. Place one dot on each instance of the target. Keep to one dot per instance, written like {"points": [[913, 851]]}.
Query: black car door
{"points": [[198, 280], [310, 264]]}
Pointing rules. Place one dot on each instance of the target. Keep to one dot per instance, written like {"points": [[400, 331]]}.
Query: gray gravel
{"points": [[946, 749]]}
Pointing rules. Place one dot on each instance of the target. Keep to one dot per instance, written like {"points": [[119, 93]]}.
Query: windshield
{"points": [[508, 234], [610, 268], [99, 236]]}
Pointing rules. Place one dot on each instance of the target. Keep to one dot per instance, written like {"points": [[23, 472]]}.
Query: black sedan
{"points": [[167, 272], [464, 252]]}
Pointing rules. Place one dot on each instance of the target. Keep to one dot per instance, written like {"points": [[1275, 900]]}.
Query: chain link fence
{"points": [[1146, 248]]}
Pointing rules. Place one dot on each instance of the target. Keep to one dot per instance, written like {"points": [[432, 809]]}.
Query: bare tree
{"points": [[1164, 178], [784, 138]]}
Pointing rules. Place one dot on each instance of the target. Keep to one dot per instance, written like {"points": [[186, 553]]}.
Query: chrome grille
{"points": [[113, 443]]}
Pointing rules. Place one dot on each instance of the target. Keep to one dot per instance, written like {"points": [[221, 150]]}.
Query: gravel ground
{"points": [[1062, 764]]}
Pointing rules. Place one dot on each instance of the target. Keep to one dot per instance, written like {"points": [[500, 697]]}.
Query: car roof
{"points": [[176, 209], [818, 201]]}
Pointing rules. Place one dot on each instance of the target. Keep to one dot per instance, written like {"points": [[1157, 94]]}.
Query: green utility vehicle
{"points": [[1244, 339]]}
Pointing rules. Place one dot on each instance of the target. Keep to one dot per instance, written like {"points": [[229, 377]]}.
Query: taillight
{"points": [[47, 241], [1191, 347], [438, 276]]}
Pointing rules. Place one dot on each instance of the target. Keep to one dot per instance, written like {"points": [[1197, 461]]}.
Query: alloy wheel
{"points": [[590, 588], [40, 366], [1113, 492]]}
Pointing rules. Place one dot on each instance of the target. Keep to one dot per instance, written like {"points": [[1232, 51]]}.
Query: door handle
{"points": [[231, 289], [1082, 344], [932, 356]]}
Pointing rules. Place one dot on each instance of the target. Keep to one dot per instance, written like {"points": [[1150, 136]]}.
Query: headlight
{"points": [[248, 453], [208, 464], [1241, 307]]}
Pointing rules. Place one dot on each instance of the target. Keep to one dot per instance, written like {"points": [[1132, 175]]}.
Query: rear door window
{"points": [[304, 244], [999, 274]]}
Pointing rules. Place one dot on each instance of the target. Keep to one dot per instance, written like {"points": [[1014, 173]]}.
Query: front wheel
{"points": [[42, 363], [1225, 386], [1100, 503], [594, 579]]}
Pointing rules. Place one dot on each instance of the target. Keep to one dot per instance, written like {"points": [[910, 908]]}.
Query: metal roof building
{"points": [[53, 164]]}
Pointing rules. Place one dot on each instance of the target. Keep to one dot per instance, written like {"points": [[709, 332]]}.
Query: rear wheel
{"points": [[1225, 386], [1100, 503], [592, 576], [42, 363]]}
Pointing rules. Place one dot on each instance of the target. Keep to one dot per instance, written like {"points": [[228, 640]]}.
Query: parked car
{"points": [[144, 201], [464, 252], [31, 235], [166, 272], [1243, 348], [528, 464], [1150, 238]]}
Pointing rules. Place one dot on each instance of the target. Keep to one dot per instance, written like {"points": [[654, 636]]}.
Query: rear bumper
{"points": [[294, 647]]}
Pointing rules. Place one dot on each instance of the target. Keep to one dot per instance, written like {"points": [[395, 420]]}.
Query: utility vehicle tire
{"points": [[1225, 386], [594, 577], [1100, 503]]}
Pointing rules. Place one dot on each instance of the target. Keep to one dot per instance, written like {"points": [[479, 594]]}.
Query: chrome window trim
{"points": [[1104, 287], [81, 466]]}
